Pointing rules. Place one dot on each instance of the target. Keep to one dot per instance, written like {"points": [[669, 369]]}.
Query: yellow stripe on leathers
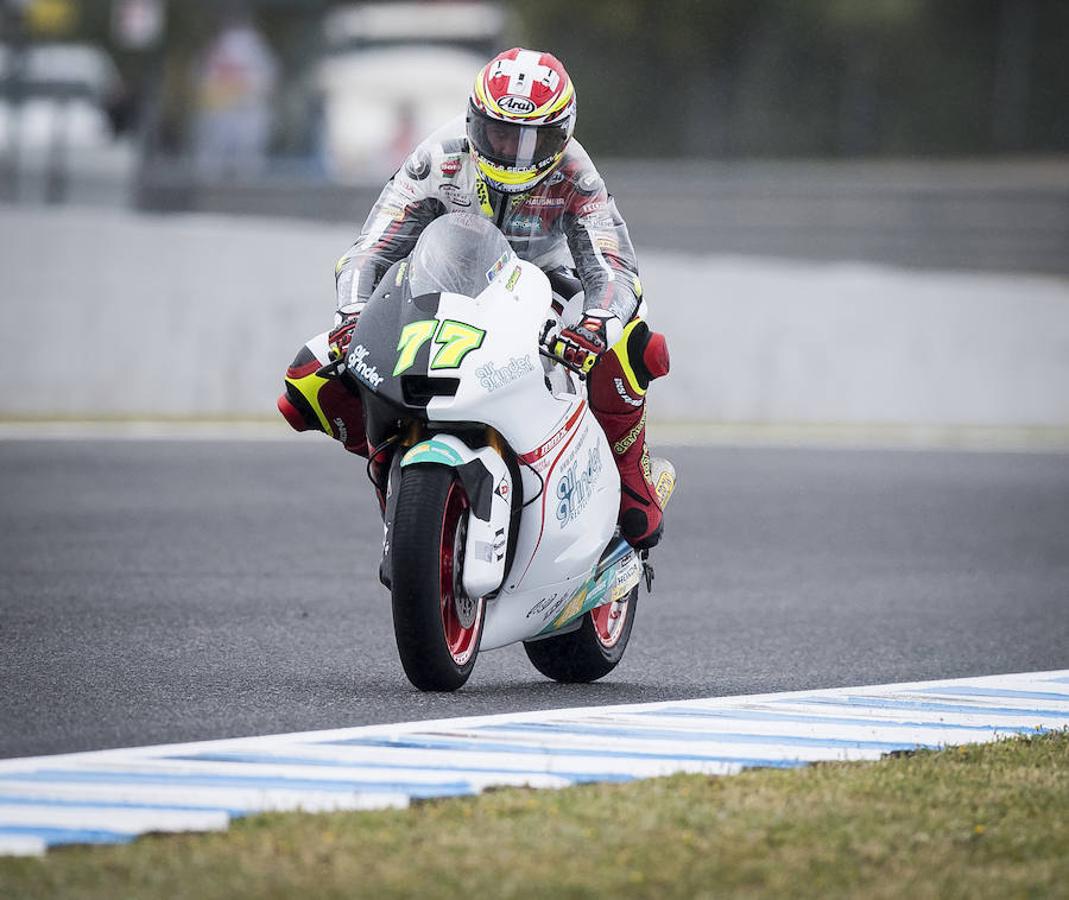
{"points": [[310, 386], [620, 349]]}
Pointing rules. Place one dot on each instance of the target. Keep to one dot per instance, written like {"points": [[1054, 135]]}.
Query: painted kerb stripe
{"points": [[111, 796]]}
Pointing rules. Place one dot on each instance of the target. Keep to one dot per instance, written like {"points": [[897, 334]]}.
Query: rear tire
{"points": [[590, 652], [437, 627]]}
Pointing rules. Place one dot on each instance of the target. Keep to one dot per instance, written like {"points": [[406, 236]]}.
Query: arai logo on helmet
{"points": [[520, 106]]}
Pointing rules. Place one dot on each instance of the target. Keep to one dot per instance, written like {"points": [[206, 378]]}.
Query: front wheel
{"points": [[437, 626], [591, 651]]}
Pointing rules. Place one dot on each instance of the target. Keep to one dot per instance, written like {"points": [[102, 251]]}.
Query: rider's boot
{"points": [[617, 395], [315, 403]]}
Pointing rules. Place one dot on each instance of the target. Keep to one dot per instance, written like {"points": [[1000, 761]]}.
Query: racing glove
{"points": [[340, 336], [581, 344]]}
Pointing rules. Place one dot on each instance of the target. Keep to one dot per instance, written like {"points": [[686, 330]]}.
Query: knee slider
{"points": [[647, 354]]}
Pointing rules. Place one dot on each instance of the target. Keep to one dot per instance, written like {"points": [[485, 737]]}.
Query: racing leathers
{"points": [[566, 220], [567, 225]]}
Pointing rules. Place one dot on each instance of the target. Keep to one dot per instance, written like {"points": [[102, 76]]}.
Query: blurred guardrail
{"points": [[108, 313], [996, 216]]}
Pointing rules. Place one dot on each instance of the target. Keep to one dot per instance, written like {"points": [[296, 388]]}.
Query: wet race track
{"points": [[158, 591]]}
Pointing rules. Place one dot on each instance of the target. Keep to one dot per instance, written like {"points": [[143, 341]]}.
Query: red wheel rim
{"points": [[609, 621], [460, 640]]}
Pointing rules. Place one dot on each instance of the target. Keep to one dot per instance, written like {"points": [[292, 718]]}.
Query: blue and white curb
{"points": [[111, 796]]}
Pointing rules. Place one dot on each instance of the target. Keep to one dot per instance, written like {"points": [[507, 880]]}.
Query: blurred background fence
{"points": [[931, 134], [987, 215], [916, 132]]}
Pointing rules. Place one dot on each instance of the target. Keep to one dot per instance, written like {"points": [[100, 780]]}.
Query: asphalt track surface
{"points": [[156, 591]]}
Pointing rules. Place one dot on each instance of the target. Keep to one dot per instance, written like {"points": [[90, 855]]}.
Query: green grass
{"points": [[988, 820]]}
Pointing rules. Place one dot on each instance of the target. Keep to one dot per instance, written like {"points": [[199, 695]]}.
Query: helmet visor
{"points": [[514, 146]]}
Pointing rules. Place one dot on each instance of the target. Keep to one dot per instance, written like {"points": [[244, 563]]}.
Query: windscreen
{"points": [[459, 253]]}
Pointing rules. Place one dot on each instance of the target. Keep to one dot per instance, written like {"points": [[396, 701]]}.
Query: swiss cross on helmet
{"points": [[521, 115]]}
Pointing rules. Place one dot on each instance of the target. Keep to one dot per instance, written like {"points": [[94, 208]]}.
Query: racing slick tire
{"points": [[437, 627], [592, 650]]}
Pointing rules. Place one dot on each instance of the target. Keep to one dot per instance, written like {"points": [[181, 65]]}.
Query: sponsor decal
{"points": [[547, 606], [513, 278], [547, 446], [576, 487], [432, 450], [492, 377], [628, 571], [342, 431], [368, 374], [525, 223], [503, 490], [589, 182], [455, 196], [607, 243], [575, 605], [397, 282], [621, 389], [499, 544], [450, 166], [665, 484], [496, 268], [556, 178], [484, 551], [518, 106], [622, 445], [594, 206], [599, 220], [545, 201], [418, 165]]}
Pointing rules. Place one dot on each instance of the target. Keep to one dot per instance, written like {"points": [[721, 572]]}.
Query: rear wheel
{"points": [[591, 651], [437, 626]]}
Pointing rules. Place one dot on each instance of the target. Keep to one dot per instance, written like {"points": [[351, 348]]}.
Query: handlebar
{"points": [[571, 367], [545, 348]]}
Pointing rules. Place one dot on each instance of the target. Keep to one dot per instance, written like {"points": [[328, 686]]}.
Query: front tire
{"points": [[593, 650], [437, 627]]}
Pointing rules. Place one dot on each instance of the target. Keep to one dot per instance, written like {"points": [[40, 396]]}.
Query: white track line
{"points": [[112, 795]]}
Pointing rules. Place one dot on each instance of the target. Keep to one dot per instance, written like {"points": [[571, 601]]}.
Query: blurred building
{"points": [[393, 73], [64, 94], [916, 132]]}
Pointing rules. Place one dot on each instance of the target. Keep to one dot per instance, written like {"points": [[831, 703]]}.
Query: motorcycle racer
{"points": [[513, 159]]}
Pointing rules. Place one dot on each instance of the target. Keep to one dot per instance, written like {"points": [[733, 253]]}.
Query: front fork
{"points": [[413, 434]]}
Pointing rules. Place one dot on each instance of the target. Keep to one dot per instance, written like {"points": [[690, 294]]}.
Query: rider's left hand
{"points": [[581, 344]]}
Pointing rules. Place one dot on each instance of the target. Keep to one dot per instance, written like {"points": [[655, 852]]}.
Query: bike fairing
{"points": [[568, 449]]}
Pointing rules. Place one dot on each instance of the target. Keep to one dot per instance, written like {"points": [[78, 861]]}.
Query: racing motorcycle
{"points": [[499, 490]]}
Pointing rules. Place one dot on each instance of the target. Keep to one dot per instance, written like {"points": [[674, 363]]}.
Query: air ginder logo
{"points": [[358, 363]]}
